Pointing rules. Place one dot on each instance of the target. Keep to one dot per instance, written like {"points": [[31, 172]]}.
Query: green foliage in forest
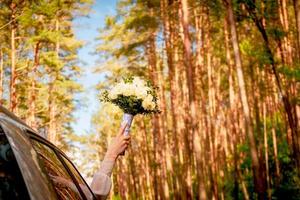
{"points": [[147, 38], [227, 73], [46, 69]]}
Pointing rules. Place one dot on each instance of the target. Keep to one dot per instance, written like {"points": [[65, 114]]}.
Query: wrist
{"points": [[110, 156]]}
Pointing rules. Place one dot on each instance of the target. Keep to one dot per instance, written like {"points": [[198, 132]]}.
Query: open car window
{"points": [[12, 185], [63, 184], [83, 185]]}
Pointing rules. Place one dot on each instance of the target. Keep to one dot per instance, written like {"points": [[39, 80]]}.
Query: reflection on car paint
{"points": [[12, 185], [31, 172], [55, 169]]}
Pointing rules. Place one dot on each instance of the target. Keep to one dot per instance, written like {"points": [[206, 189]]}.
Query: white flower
{"points": [[115, 92], [120, 87], [112, 95], [128, 90], [138, 82], [137, 90], [148, 103], [140, 93]]}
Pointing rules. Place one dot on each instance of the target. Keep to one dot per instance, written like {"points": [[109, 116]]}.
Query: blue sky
{"points": [[86, 29]]}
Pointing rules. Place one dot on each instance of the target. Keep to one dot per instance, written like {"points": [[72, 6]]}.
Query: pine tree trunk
{"points": [[274, 138], [191, 118], [13, 76], [255, 94], [285, 24], [266, 148], [199, 42], [52, 129], [211, 135], [1, 76], [133, 176], [121, 179], [169, 42], [284, 96], [271, 102], [189, 68], [165, 149], [52, 113], [147, 160], [232, 112], [157, 135], [297, 17], [198, 150], [32, 101], [259, 183]]}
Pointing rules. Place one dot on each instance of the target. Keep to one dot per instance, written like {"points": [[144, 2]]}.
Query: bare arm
{"points": [[101, 183]]}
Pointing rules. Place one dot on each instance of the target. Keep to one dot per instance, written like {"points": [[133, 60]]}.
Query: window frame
{"points": [[61, 155], [23, 185], [26, 157], [72, 164]]}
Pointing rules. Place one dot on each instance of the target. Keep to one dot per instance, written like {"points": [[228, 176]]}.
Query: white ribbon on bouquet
{"points": [[127, 118]]}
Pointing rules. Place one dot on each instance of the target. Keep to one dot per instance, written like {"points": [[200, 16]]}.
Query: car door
{"points": [[65, 187], [83, 185], [12, 185], [66, 180], [37, 184]]}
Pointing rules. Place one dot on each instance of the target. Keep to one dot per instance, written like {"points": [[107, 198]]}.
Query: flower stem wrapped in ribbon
{"points": [[134, 96]]}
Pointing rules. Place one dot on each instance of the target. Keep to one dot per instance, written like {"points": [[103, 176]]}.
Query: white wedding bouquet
{"points": [[134, 96]]}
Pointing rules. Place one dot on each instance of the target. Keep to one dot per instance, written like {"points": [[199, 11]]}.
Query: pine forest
{"points": [[227, 74]]}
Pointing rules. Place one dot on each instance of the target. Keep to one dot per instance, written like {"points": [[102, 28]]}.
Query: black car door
{"points": [[37, 184], [66, 180], [12, 185]]}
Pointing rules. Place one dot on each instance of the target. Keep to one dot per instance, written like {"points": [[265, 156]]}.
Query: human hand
{"points": [[118, 145], [60, 180]]}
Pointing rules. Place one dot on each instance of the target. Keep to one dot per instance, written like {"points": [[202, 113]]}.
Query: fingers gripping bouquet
{"points": [[134, 96]]}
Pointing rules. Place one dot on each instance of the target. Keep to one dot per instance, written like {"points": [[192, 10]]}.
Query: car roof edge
{"points": [[12, 116]]}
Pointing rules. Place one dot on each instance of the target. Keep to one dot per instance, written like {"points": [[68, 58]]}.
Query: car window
{"points": [[12, 185], [79, 179], [59, 176]]}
